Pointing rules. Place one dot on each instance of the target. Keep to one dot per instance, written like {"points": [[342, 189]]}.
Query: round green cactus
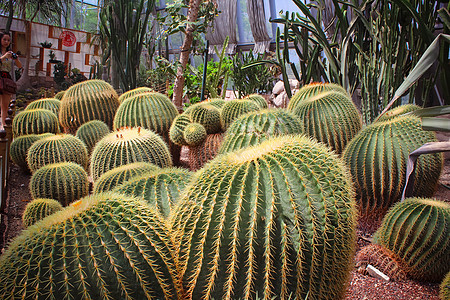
{"points": [[59, 95], [217, 102], [160, 188], [258, 99], [91, 132], [276, 220], [398, 111], [177, 129], [134, 92], [207, 115], [311, 90], [377, 158], [444, 288], [417, 231], [204, 152], [128, 145], [52, 104], [235, 108], [19, 148], [38, 209], [330, 117], [57, 148], [35, 121], [65, 182], [86, 101], [153, 111], [105, 246], [255, 127], [194, 134], [109, 180]]}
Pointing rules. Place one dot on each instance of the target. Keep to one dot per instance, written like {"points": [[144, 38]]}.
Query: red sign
{"points": [[68, 38]]}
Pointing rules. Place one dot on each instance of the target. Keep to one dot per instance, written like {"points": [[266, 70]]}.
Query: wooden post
{"points": [[4, 153]]}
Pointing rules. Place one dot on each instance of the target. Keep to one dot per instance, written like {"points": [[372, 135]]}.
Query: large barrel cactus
{"points": [[57, 148], [134, 92], [65, 182], [19, 148], [51, 104], [274, 220], [255, 127], [444, 288], [35, 121], [417, 231], [115, 177], [398, 111], [38, 209], [86, 101], [258, 99], [126, 146], [377, 159], [235, 108], [160, 188], [105, 246], [311, 90], [330, 117], [91, 132]]}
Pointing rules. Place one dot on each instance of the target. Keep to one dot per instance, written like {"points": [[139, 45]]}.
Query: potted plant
{"points": [[52, 57], [46, 44]]}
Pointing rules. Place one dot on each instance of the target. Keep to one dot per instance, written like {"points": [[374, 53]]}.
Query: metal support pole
{"points": [[205, 66]]}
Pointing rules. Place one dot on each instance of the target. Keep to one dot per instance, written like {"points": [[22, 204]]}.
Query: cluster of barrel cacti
{"points": [[271, 212]]}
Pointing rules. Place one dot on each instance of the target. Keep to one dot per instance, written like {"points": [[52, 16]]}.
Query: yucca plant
{"points": [[277, 219], [103, 246], [38, 209]]}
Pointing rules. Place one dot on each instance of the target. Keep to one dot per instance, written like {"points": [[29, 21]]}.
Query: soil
{"points": [[361, 287]]}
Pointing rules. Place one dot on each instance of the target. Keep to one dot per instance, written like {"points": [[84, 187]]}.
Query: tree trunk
{"points": [[194, 6], [24, 81]]}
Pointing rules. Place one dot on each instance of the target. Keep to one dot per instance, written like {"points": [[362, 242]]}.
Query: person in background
{"points": [[7, 59]]}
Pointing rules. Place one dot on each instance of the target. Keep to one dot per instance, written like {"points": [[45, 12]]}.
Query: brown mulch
{"points": [[361, 286]]}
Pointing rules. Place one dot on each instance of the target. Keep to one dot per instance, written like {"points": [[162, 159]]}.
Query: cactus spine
{"points": [[417, 231], [86, 101], [51, 104], [126, 146], [330, 117], [35, 121], [277, 219], [160, 188], [109, 180], [38, 209], [377, 158], [91, 132], [105, 246], [255, 127], [19, 148], [65, 182], [57, 148]]}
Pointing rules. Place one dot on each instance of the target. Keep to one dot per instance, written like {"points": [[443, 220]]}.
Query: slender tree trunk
{"points": [[10, 16], [194, 6], [24, 81]]}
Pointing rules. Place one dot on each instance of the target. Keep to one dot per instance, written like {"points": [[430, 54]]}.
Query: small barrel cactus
{"points": [[377, 158], [134, 92], [444, 288], [65, 182], [177, 129], [115, 177], [255, 127], [38, 209], [417, 231], [57, 148], [19, 148], [274, 220], [160, 188], [86, 101], [126, 146], [105, 246], [398, 111], [51, 104], [35, 121], [59, 95], [217, 102], [91, 132], [330, 117], [311, 90], [194, 134], [207, 150], [258, 99], [207, 115], [235, 108]]}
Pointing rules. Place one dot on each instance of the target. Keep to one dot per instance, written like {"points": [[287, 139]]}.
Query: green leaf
{"points": [[436, 124]]}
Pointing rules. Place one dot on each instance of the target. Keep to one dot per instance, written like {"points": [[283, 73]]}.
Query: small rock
{"points": [[374, 272]]}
